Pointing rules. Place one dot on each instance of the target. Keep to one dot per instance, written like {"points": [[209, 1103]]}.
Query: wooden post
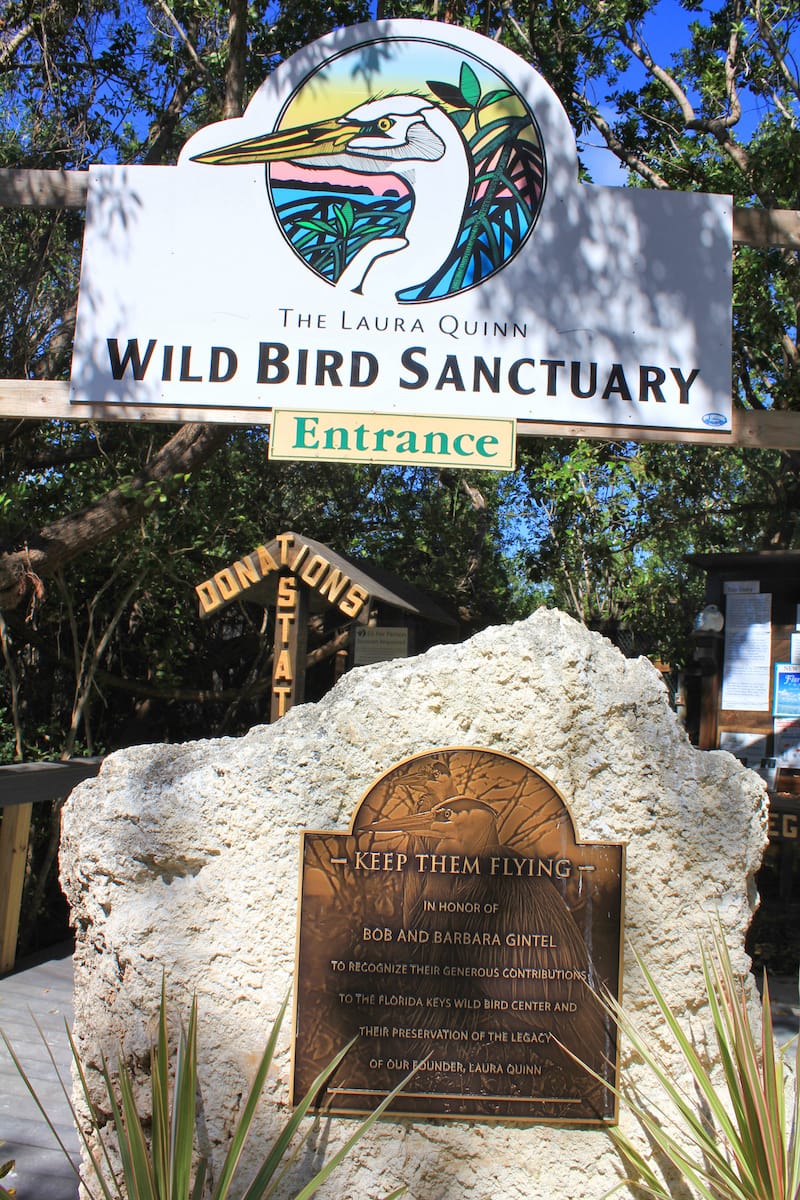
{"points": [[289, 647], [14, 831], [708, 656]]}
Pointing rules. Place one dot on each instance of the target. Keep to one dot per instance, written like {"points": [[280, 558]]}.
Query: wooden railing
{"points": [[21, 786]]}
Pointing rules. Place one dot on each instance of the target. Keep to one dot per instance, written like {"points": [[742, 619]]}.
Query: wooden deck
{"points": [[44, 992]]}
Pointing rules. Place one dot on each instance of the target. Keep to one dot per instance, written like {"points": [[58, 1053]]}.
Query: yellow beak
{"points": [[323, 137]]}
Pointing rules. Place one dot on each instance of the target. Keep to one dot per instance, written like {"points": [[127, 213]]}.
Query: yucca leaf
{"points": [[162, 1169], [793, 1152], [246, 1118], [751, 1156], [132, 1142], [698, 1072], [183, 1109], [200, 1179], [259, 1188], [131, 1187], [159, 1091], [98, 1171], [31, 1089], [344, 1150]]}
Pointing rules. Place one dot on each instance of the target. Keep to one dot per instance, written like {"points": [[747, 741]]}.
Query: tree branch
{"points": [[161, 131], [778, 58], [237, 57], [625, 156], [639, 52], [59, 542]]}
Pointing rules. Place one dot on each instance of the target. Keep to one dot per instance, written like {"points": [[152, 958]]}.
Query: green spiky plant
{"points": [[736, 1141], [166, 1167], [5, 1169]]}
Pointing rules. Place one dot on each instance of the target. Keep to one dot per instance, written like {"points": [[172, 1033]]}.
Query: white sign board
{"points": [[396, 225]]}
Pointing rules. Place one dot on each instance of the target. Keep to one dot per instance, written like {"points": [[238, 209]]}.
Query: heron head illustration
{"points": [[408, 136], [459, 825]]}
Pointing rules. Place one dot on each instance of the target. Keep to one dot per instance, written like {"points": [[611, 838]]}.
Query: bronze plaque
{"points": [[460, 925]]}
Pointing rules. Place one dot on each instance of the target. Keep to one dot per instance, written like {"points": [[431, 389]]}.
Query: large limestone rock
{"points": [[184, 860]]}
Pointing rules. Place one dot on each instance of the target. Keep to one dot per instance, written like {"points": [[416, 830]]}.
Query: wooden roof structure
{"points": [[382, 586]]}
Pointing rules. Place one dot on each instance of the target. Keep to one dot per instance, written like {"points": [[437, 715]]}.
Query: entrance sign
{"points": [[382, 438], [460, 927], [396, 225]]}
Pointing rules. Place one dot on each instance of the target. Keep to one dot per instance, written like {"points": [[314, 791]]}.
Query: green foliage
{"points": [[166, 1164], [735, 1141], [114, 652], [605, 528]]}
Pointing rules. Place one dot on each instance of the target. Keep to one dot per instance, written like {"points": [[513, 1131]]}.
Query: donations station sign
{"points": [[460, 931], [396, 227]]}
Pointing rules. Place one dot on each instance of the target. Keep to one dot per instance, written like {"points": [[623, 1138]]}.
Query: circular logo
{"points": [[417, 178], [714, 419]]}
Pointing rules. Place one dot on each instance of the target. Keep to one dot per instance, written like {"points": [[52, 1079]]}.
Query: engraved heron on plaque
{"points": [[460, 925]]}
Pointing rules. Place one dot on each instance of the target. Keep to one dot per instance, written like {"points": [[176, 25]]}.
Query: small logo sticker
{"points": [[715, 419]]}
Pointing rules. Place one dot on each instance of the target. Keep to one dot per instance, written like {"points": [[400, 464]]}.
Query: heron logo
{"points": [[426, 186]]}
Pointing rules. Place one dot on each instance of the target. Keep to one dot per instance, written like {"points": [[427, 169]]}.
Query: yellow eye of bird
{"points": [[384, 124]]}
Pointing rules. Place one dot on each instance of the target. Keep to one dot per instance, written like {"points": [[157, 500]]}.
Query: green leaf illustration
{"points": [[448, 93], [317, 226], [470, 87], [493, 97]]}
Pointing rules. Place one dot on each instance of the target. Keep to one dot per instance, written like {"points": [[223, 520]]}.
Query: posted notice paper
{"points": [[748, 643]]}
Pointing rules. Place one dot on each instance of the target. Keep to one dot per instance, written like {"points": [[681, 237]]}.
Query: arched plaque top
{"points": [[513, 804]]}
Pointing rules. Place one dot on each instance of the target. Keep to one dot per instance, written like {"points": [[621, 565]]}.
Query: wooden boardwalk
{"points": [[43, 991]]}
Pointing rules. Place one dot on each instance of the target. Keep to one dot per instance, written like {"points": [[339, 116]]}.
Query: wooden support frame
{"points": [[15, 827], [29, 399], [68, 189]]}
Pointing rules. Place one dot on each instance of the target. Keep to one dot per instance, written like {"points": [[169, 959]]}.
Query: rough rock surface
{"points": [[184, 859]]}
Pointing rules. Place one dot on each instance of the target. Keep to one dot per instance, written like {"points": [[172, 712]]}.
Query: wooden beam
{"points": [[24, 188], [15, 825], [44, 400], [41, 782], [43, 189], [32, 400], [766, 227], [765, 430]]}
